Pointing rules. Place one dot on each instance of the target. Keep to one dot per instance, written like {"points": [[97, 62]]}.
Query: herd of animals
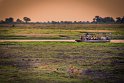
{"points": [[94, 38]]}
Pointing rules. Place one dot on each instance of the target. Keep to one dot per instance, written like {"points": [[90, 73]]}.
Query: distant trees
{"points": [[19, 21], [108, 20], [54, 22], [26, 19], [9, 20], [100, 20], [2, 21], [68, 22], [120, 20], [96, 20]]}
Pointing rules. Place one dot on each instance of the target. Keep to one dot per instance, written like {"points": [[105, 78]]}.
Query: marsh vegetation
{"points": [[61, 62], [59, 31]]}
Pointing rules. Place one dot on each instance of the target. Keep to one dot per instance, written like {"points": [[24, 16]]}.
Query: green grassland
{"points": [[49, 62], [59, 31]]}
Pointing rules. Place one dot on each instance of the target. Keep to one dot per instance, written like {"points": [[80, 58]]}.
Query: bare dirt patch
{"points": [[112, 41], [94, 30], [37, 40], [117, 41]]}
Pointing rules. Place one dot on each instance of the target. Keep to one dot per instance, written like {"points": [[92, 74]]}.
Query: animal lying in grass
{"points": [[74, 72]]}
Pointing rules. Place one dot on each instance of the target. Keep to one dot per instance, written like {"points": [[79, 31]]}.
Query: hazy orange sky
{"points": [[70, 10]]}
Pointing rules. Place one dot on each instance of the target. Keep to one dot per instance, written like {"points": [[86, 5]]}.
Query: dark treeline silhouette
{"points": [[10, 20], [96, 20]]}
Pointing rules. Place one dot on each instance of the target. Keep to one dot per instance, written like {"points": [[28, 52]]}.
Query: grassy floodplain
{"points": [[49, 62], [58, 31]]}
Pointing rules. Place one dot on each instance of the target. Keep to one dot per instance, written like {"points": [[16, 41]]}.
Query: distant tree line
{"points": [[96, 20], [108, 20], [10, 20]]}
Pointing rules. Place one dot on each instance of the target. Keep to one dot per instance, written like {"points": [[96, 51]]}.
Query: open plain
{"points": [[26, 55]]}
